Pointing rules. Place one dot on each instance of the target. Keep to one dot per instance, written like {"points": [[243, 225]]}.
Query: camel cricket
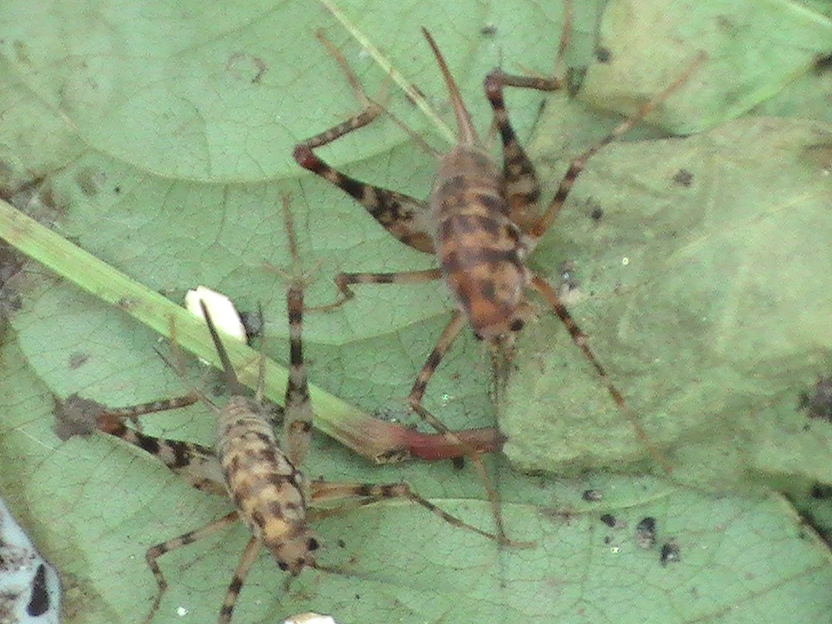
{"points": [[482, 221], [264, 481]]}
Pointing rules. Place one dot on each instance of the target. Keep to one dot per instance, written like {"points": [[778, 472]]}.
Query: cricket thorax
{"points": [[480, 250]]}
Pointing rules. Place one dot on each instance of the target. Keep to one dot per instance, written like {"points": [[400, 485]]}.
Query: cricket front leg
{"points": [[450, 333]]}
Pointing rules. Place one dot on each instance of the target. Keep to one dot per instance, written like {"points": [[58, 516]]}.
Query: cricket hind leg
{"points": [[544, 221], [523, 192], [364, 494], [521, 183], [195, 463], [580, 339], [403, 216]]}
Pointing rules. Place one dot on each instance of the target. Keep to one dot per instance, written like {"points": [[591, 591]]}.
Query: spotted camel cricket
{"points": [[269, 491], [481, 222]]}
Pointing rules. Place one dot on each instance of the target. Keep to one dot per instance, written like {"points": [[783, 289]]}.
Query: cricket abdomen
{"points": [[479, 248], [268, 490]]}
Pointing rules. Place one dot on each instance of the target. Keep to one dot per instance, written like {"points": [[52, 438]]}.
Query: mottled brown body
{"points": [[267, 489], [479, 248], [481, 222]]}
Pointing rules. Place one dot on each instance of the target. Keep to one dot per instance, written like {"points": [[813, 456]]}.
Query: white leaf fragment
{"points": [[310, 618], [221, 308]]}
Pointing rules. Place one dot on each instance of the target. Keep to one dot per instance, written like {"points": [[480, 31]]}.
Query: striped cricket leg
{"points": [[369, 493], [247, 559], [154, 552], [417, 392]]}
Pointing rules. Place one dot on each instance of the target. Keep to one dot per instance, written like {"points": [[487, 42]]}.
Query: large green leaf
{"points": [[163, 139]]}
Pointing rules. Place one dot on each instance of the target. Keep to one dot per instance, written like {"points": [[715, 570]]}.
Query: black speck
{"points": [[646, 533], [592, 496], [823, 63], [608, 519], [819, 403], [39, 599], [670, 553], [820, 490], [252, 323], [683, 177], [603, 54]]}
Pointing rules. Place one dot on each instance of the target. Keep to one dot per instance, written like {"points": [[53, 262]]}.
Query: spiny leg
{"points": [[580, 339], [403, 216], [297, 415], [369, 493], [154, 552], [417, 392]]}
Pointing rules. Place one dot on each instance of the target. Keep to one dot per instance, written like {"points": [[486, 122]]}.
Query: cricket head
{"points": [[295, 552], [500, 328]]}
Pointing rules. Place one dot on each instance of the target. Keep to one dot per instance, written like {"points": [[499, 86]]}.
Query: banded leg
{"points": [[580, 339], [521, 180], [417, 393], [154, 552], [370, 493], [151, 407], [195, 463], [247, 559], [297, 413], [403, 216], [343, 281]]}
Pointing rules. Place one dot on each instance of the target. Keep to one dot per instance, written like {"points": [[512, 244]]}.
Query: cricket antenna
{"points": [[234, 385], [467, 133]]}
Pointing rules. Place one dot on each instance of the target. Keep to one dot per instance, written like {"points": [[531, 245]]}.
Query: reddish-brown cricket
{"points": [[481, 222]]}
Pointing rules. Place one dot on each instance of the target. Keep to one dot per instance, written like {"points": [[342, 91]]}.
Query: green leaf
{"points": [[705, 302], [161, 141]]}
